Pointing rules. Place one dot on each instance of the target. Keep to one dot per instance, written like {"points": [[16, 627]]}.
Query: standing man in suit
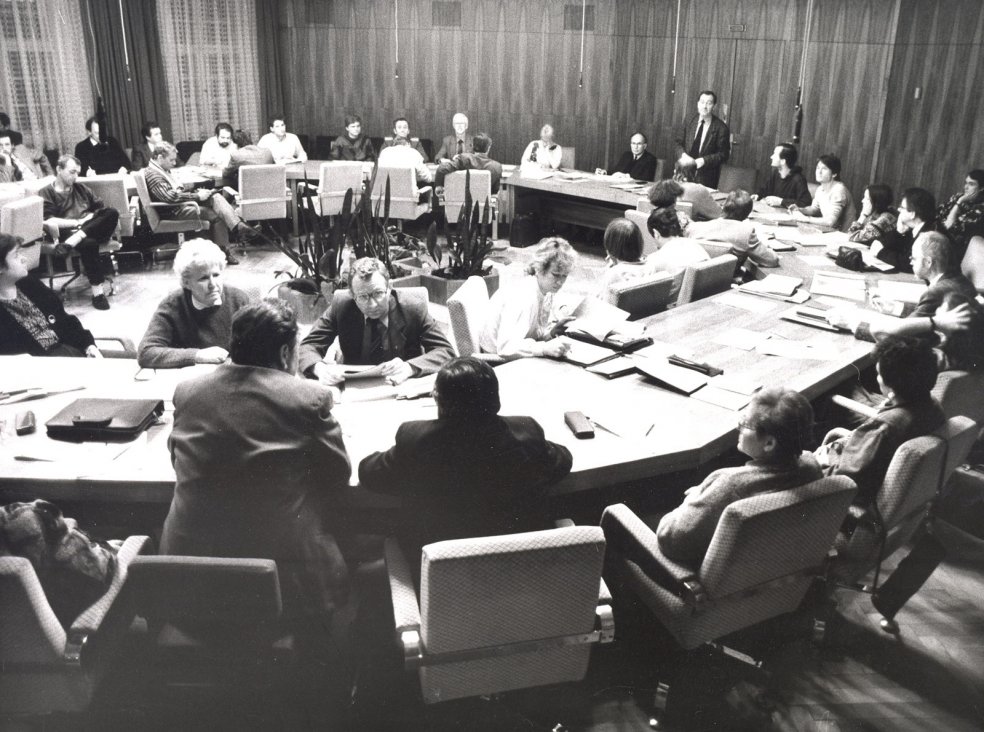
{"points": [[478, 160], [637, 162], [469, 472], [375, 324], [458, 143], [705, 141]]}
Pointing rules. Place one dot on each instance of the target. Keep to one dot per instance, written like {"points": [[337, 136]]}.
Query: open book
{"points": [[598, 322]]}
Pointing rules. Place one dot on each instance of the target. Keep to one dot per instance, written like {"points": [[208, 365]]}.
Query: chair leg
{"points": [[661, 699]]}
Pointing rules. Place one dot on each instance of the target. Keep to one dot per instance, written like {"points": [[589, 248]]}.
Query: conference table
{"points": [[642, 430]]}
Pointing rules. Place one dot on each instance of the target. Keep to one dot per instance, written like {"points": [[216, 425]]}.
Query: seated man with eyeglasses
{"points": [[375, 324]]}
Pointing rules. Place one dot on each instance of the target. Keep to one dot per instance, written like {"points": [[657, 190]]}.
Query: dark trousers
{"points": [[910, 575], [98, 230]]}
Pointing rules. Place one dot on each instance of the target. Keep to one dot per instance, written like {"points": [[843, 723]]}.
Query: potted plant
{"points": [[467, 247]]}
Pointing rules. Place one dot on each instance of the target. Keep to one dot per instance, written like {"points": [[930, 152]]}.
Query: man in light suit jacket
{"points": [[470, 472], [258, 458], [705, 141], [375, 324]]}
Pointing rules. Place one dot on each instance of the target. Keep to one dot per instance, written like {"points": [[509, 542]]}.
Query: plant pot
{"points": [[439, 289], [307, 307]]}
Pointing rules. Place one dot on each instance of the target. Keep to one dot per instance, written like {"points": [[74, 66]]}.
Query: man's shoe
{"points": [[248, 234], [99, 302], [231, 259]]}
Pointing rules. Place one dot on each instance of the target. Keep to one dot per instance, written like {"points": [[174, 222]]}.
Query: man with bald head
{"points": [[637, 162], [458, 143]]}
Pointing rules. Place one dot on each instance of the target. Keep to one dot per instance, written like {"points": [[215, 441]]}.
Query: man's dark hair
{"points": [[881, 197], [6, 136], [466, 387], [147, 127], [4, 119], [64, 160], [787, 416], [787, 152], [223, 126], [833, 163], [684, 172], [921, 203], [274, 118], [623, 240], [8, 242], [665, 193], [976, 174], [664, 221], [907, 366], [242, 138], [738, 205], [88, 123], [400, 119], [260, 330], [481, 143], [709, 93]]}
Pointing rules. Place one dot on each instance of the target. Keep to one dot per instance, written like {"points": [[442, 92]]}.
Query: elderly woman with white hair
{"points": [[193, 324], [521, 320], [543, 153]]}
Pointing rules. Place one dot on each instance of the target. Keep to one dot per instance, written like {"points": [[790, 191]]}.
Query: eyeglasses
{"points": [[374, 296]]}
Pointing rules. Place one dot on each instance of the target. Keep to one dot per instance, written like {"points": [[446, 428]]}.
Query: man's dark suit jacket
{"points": [[898, 247], [259, 460], [449, 146], [413, 334], [472, 161], [462, 477], [642, 169], [106, 157], [716, 148]]}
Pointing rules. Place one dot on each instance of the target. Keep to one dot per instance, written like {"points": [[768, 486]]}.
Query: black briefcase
{"points": [[104, 420], [524, 231]]}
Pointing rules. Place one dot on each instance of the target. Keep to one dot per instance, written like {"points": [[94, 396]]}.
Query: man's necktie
{"points": [[695, 147], [375, 330], [461, 146]]}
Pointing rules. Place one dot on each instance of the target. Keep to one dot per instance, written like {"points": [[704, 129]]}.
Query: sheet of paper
{"points": [[773, 284], [742, 338], [901, 291], [613, 368], [839, 284], [736, 383], [751, 303], [585, 354], [818, 260], [661, 350], [795, 349], [722, 398], [359, 371]]}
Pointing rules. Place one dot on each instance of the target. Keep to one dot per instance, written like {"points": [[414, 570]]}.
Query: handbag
{"points": [[104, 420], [850, 258]]}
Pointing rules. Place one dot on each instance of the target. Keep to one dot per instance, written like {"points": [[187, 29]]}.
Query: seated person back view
{"points": [[375, 324], [401, 155], [246, 153], [623, 255], [675, 252], [906, 371], [401, 129], [193, 324], [773, 431], [258, 459], [696, 194], [83, 221], [477, 160], [470, 472], [32, 317], [736, 230]]}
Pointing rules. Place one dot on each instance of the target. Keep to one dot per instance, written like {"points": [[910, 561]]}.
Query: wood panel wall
{"points": [[511, 67]]}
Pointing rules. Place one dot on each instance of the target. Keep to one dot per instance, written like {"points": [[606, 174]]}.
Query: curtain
{"points": [[117, 46], [211, 68], [43, 82], [271, 67]]}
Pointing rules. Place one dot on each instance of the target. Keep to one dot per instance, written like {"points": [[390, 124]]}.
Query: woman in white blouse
{"points": [[520, 320], [543, 153]]}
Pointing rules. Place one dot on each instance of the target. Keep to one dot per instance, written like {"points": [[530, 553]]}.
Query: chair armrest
{"points": [[230, 191], [406, 611], [91, 619], [126, 349], [52, 231], [629, 536], [564, 523], [854, 406]]}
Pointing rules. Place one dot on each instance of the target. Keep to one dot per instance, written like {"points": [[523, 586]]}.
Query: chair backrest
{"points": [[960, 434], [467, 310], [30, 632], [334, 179], [186, 148], [195, 158], [454, 191], [959, 393], [567, 157], [733, 178], [912, 478], [772, 535], [11, 192], [143, 193], [660, 168], [972, 264], [23, 217], [211, 590], [479, 593], [111, 190], [322, 147], [643, 296], [263, 192], [707, 278], [403, 184]]}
